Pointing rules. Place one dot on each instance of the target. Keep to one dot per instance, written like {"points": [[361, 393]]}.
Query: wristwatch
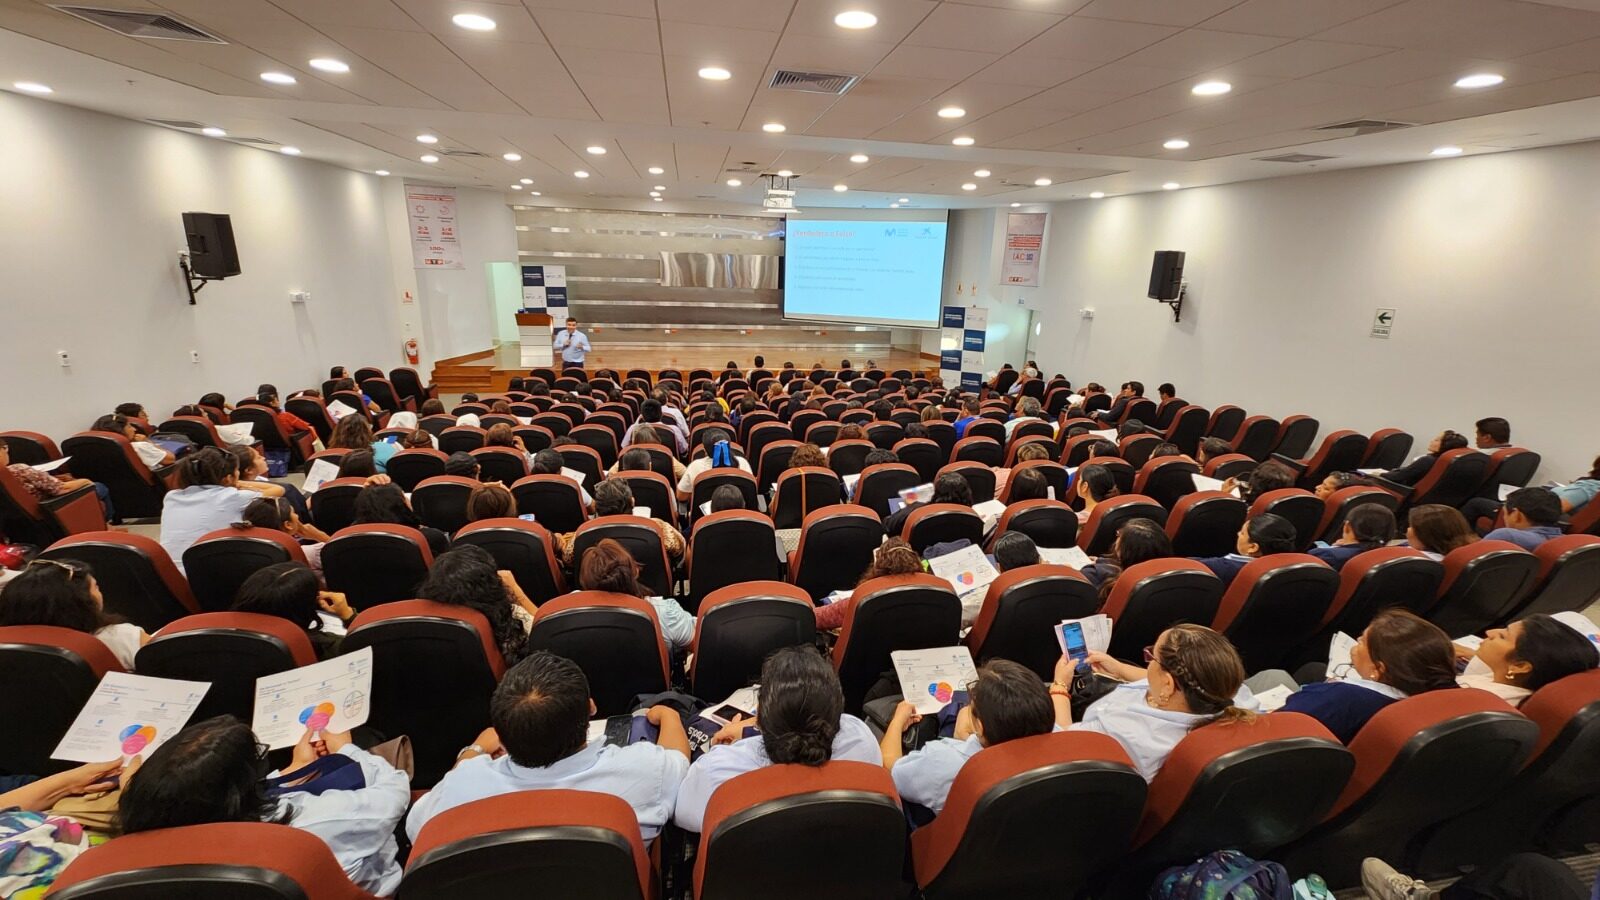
{"points": [[475, 748]]}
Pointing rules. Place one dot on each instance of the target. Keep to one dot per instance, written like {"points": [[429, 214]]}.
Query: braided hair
{"points": [[1206, 668]]}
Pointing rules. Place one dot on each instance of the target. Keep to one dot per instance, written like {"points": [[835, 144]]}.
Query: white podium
{"points": [[533, 333]]}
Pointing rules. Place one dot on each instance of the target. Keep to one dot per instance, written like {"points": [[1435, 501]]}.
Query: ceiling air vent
{"points": [[460, 152], [1365, 126], [141, 24], [176, 123], [1294, 158], [812, 82]]}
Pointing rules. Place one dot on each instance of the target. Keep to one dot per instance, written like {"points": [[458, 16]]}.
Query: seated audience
{"points": [[1029, 373], [386, 504], [1367, 527], [1165, 391], [216, 771], [1131, 390], [1412, 472], [431, 407], [1533, 515], [292, 591], [349, 385], [353, 433], [466, 576], [464, 465], [358, 464], [969, 414], [1028, 484], [1491, 434], [1028, 410], [1195, 677], [208, 499], [1262, 535], [1515, 661], [490, 501], [613, 497], [44, 485], [419, 439], [292, 425], [64, 594], [1576, 496], [1006, 702], [637, 459], [1337, 481], [607, 566], [808, 455], [947, 488], [1436, 529], [1166, 448], [1094, 484], [727, 497], [800, 719], [501, 435], [1269, 476], [1014, 550], [550, 462], [1137, 541], [893, 557], [1212, 448], [538, 740], [276, 514], [151, 455], [720, 452]]}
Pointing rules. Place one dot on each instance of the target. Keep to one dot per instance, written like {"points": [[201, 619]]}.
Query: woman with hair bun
{"points": [[894, 557], [801, 720]]}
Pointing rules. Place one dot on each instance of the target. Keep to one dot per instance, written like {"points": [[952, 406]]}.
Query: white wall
{"points": [[91, 234], [972, 278], [1490, 260], [457, 306]]}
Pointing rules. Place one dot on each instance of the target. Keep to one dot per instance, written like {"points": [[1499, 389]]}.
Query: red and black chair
{"points": [[409, 468], [202, 431], [1020, 612], [30, 447], [1256, 437], [1453, 480], [1225, 422], [1302, 509], [1166, 479], [569, 843], [994, 430], [1337, 508], [739, 626], [506, 465], [270, 433], [881, 483], [1049, 523], [979, 476], [1001, 832], [441, 501], [1370, 582], [1123, 474], [836, 546], [1295, 435], [895, 612], [849, 457], [554, 501], [802, 491], [727, 548], [600, 438], [1387, 448], [1188, 426], [706, 483], [1152, 596], [1100, 532], [1586, 520], [1206, 524], [1274, 604], [223, 861], [434, 668], [1340, 452], [1230, 465], [49, 674], [939, 523], [230, 650], [922, 454], [844, 812], [773, 460], [136, 491], [1055, 477], [1135, 449], [376, 564], [333, 506], [461, 439], [28, 520], [976, 448], [136, 576], [409, 384], [614, 638], [315, 412], [1419, 761], [218, 563], [1568, 578], [1483, 583], [654, 492], [640, 537], [525, 549]]}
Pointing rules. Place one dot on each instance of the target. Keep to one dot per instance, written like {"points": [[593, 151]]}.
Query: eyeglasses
{"points": [[72, 571]]}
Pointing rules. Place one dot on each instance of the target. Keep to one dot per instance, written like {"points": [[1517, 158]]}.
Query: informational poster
{"points": [[1024, 244], [930, 678], [544, 289], [435, 240], [129, 715], [961, 344], [335, 695]]}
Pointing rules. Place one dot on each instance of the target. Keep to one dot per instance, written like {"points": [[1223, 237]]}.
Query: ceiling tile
{"points": [[1033, 71], [796, 110], [1157, 12], [598, 31], [828, 54], [908, 61], [354, 13], [1197, 50], [512, 23], [1298, 59], [1292, 18], [696, 102], [644, 9], [1400, 67], [957, 27], [1583, 56], [1126, 80], [421, 60], [764, 15], [614, 63], [1055, 7], [1094, 39], [896, 19], [715, 44], [533, 76]]}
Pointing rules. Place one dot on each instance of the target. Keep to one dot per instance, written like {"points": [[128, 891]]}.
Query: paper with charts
{"points": [[327, 696], [129, 715], [966, 569], [929, 678]]}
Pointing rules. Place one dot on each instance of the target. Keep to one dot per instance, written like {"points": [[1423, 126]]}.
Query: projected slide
{"points": [[875, 272]]}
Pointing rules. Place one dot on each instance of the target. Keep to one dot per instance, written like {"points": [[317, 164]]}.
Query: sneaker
{"points": [[1382, 882]]}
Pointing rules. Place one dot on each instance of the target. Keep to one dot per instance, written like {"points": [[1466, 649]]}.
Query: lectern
{"points": [[533, 332]]}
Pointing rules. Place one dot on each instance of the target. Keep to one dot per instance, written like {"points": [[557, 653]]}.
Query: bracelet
{"points": [[471, 749], [1057, 684], [1057, 692]]}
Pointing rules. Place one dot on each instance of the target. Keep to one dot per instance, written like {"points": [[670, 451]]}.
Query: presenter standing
{"points": [[573, 344]]}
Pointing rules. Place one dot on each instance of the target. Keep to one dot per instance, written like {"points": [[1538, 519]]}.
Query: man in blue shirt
{"points": [[573, 344], [1532, 515]]}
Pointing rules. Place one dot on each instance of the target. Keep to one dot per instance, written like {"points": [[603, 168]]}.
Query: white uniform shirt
{"points": [[358, 826]]}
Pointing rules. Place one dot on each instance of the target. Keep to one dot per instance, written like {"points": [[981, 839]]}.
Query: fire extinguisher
{"points": [[413, 352]]}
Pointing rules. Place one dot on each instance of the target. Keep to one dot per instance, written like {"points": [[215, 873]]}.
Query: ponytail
{"points": [[207, 466], [1206, 668]]}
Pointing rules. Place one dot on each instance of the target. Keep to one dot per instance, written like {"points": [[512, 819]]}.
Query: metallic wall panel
{"points": [[719, 270]]}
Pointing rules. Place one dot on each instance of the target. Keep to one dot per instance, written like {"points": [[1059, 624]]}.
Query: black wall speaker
{"points": [[1166, 275], [212, 253]]}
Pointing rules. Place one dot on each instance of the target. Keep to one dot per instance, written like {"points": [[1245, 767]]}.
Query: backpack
{"points": [[1223, 875]]}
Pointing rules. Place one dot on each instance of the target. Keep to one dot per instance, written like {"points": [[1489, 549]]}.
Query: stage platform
{"points": [[492, 370]]}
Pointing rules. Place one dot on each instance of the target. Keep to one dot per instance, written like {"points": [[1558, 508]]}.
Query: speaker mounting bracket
{"points": [[1177, 305], [195, 283]]}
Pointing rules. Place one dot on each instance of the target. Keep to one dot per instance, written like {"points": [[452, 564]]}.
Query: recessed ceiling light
{"points": [[1210, 88], [715, 73], [516, 187], [963, 141], [1479, 80], [596, 150], [655, 193], [580, 174], [381, 172], [774, 128], [734, 182], [526, 180], [982, 173], [1015, 205], [1176, 144], [952, 112], [34, 87], [855, 19], [656, 199], [905, 199], [859, 158], [473, 22], [289, 151], [511, 157], [428, 158], [785, 173], [277, 77], [427, 139], [841, 188], [327, 64], [894, 206], [969, 186], [535, 194], [659, 187], [1042, 182], [1096, 195], [1447, 150], [656, 170], [1171, 186], [213, 131]]}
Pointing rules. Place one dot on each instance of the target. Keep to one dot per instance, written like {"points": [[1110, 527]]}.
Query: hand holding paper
{"points": [[332, 696], [129, 715]]}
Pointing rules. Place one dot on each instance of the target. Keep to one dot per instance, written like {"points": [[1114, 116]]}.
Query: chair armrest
{"points": [[1298, 464], [1403, 491], [77, 511]]}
